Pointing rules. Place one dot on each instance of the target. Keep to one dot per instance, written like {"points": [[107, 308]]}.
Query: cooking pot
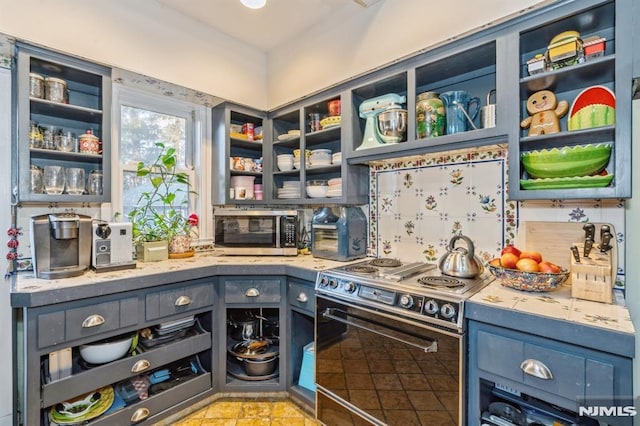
{"points": [[459, 261], [260, 367], [243, 329]]}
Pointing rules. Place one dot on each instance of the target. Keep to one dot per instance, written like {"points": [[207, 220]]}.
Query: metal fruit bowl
{"points": [[529, 281], [568, 161]]}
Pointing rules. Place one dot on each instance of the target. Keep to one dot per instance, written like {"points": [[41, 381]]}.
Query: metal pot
{"points": [[459, 261], [243, 329], [260, 367]]}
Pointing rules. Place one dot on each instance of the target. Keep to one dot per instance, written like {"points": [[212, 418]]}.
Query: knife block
{"points": [[592, 277]]}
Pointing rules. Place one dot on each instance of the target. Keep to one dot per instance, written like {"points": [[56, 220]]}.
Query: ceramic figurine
{"points": [[545, 113]]}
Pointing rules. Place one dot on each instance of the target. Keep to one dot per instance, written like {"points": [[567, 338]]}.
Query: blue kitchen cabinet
{"points": [[542, 371]]}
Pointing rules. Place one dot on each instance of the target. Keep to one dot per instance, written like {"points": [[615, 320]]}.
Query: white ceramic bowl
{"points": [[100, 353], [285, 165], [317, 188]]}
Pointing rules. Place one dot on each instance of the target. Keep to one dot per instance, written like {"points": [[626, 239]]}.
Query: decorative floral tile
{"points": [[422, 203], [418, 203]]}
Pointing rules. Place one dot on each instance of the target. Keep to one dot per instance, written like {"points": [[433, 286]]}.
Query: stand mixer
{"points": [[390, 130]]}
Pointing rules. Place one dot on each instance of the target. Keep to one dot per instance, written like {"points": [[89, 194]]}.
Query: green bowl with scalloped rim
{"points": [[568, 161]]}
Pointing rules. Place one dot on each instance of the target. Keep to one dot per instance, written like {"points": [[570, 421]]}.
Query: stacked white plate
{"points": [[335, 187], [290, 189]]}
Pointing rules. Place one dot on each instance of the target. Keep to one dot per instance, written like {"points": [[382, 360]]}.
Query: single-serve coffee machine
{"points": [[112, 247], [60, 244]]}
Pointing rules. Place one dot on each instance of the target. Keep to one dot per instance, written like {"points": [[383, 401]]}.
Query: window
{"points": [[142, 120]]}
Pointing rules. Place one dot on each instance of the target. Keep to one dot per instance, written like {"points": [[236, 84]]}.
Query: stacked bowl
{"points": [[317, 188], [284, 162], [336, 158], [567, 167], [320, 157]]}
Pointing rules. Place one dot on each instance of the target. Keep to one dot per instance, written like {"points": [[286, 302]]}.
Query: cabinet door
{"points": [[578, 146], [51, 125]]}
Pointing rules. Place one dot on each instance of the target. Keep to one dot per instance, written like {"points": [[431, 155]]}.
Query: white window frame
{"points": [[198, 164]]}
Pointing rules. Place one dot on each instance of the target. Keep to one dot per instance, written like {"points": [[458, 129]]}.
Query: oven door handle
{"points": [[432, 347]]}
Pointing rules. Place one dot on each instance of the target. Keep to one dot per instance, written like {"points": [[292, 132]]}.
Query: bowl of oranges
{"points": [[527, 271]]}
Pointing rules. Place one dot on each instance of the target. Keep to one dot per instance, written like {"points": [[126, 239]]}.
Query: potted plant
{"points": [[158, 215]]}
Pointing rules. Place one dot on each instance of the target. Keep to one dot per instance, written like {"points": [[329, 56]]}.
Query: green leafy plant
{"points": [[159, 212]]}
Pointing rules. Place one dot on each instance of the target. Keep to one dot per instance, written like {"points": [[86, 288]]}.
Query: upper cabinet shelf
{"points": [[59, 100], [582, 57], [445, 93]]}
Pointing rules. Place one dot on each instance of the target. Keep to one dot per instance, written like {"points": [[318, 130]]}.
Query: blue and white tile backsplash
{"points": [[418, 203]]}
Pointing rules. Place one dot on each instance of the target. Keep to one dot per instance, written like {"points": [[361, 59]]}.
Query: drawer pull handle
{"points": [[252, 292], [183, 301], [535, 368], [302, 298], [93, 321], [140, 365], [140, 414]]}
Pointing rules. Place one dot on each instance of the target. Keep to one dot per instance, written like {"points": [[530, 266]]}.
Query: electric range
{"points": [[414, 290]]}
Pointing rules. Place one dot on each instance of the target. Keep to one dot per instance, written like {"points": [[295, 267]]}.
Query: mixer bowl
{"points": [[392, 125]]}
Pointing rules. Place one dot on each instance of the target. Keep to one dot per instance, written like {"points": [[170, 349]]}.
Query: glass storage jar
{"points": [[55, 89], [36, 85], [94, 182], [37, 179]]}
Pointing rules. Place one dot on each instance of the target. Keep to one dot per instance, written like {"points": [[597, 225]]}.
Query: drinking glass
{"points": [[75, 180], [53, 179], [94, 182]]}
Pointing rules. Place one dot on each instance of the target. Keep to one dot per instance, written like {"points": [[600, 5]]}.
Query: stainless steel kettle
{"points": [[459, 261]]}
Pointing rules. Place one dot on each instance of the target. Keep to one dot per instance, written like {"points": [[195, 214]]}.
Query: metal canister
{"points": [[430, 115], [36, 179], [36, 85], [55, 89]]}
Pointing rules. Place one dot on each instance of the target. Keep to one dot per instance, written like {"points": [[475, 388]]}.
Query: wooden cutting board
{"points": [[554, 239]]}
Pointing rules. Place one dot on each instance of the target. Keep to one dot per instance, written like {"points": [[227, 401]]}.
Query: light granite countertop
{"points": [[29, 291], [584, 322]]}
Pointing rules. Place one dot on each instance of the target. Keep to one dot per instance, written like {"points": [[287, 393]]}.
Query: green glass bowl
{"points": [[569, 161]]}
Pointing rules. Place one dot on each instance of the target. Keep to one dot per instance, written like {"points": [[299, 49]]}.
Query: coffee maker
{"points": [[60, 244]]}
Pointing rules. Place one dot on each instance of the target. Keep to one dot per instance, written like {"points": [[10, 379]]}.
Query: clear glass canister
{"points": [[430, 115], [35, 135], [55, 89], [36, 85], [37, 179], [94, 182]]}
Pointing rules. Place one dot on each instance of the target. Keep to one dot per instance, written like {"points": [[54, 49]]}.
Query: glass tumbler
{"points": [[75, 180], [37, 179], [94, 182], [53, 179]]}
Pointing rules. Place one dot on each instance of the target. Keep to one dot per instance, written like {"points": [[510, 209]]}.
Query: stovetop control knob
{"points": [[349, 287], [431, 307], [406, 301], [447, 311], [333, 283], [324, 281]]}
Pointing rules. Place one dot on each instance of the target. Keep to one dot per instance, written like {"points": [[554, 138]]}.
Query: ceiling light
{"points": [[254, 4]]}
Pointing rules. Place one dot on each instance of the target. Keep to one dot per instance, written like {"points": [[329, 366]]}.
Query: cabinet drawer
{"points": [[252, 291], [302, 296], [102, 375], [178, 300], [156, 404], [91, 320], [559, 371]]}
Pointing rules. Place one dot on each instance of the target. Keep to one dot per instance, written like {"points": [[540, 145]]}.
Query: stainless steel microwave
{"points": [[256, 232]]}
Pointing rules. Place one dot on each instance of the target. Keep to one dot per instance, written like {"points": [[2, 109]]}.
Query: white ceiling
{"points": [[268, 27]]}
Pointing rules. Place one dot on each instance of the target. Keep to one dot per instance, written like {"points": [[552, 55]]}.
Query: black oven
{"points": [[376, 367]]}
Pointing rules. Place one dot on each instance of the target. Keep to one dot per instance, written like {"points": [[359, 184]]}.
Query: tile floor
{"points": [[238, 412]]}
